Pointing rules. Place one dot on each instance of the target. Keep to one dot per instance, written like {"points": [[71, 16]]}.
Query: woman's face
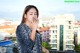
{"points": [[31, 14]]}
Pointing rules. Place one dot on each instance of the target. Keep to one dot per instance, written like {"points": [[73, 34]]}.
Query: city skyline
{"points": [[13, 10]]}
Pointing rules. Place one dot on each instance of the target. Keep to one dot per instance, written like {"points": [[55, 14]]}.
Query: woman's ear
{"points": [[25, 16]]}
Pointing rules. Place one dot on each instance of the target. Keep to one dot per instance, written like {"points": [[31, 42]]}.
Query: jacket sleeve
{"points": [[24, 36]]}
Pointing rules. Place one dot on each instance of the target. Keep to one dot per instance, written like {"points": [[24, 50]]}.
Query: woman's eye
{"points": [[30, 14], [35, 14]]}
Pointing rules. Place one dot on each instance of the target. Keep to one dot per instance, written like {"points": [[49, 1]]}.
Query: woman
{"points": [[29, 39]]}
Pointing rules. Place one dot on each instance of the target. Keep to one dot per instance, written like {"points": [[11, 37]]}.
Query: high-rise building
{"points": [[62, 32]]}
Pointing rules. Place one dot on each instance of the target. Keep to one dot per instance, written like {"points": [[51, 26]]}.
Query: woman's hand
{"points": [[34, 24], [45, 50]]}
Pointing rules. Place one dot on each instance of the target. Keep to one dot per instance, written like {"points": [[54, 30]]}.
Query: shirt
{"points": [[26, 44]]}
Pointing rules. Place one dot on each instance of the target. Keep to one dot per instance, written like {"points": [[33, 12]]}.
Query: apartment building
{"points": [[45, 33], [62, 32]]}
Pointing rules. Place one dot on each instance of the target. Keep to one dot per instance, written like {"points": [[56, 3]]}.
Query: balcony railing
{"points": [[9, 49], [67, 51]]}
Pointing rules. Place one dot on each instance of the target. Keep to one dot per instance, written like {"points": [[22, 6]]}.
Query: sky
{"points": [[13, 9]]}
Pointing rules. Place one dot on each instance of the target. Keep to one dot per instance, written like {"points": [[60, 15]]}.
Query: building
{"points": [[9, 29], [45, 33], [77, 32], [54, 37], [62, 32], [8, 26]]}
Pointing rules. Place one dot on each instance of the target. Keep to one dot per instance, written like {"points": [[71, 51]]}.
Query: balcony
{"points": [[67, 51]]}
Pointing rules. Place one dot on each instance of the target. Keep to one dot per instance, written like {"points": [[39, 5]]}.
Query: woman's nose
{"points": [[34, 16]]}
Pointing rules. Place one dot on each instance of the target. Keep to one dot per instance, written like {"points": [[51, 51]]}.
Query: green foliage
{"points": [[43, 25], [46, 45], [77, 48], [43, 52], [12, 39]]}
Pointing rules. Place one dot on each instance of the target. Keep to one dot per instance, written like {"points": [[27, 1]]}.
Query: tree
{"points": [[43, 25], [77, 48], [46, 45]]}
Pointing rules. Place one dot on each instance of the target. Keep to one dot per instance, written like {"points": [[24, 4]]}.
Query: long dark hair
{"points": [[27, 8]]}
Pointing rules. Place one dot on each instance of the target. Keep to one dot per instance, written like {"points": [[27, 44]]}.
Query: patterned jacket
{"points": [[26, 45]]}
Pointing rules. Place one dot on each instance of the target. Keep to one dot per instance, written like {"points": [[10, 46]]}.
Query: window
{"points": [[47, 33], [69, 22], [54, 41], [56, 31], [68, 37], [53, 31], [54, 45], [69, 47], [69, 27], [56, 26], [69, 42], [54, 36]]}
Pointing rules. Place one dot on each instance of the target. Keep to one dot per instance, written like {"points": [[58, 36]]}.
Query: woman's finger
{"points": [[36, 20]]}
